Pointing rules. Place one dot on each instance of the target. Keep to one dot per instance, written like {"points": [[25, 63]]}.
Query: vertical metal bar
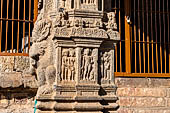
{"points": [[1, 24], [18, 26], [24, 29], [12, 26], [102, 5], [143, 18], [139, 36], [29, 35], [160, 34], [168, 33], [152, 39], [164, 33], [156, 34], [135, 35], [116, 56], [115, 6], [6, 42], [127, 45], [127, 37], [147, 34], [35, 10], [120, 38]]}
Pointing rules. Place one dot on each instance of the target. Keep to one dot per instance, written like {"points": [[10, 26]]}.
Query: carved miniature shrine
{"points": [[73, 56]]}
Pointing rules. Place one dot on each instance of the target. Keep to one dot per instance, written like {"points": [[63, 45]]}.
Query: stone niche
{"points": [[72, 57]]}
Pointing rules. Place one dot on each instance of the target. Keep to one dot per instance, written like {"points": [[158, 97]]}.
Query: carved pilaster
{"points": [[73, 51]]}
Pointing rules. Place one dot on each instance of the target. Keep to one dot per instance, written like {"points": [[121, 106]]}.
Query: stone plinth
{"points": [[73, 58]]}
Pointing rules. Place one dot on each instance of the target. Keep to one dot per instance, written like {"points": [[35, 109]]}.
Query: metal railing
{"points": [[144, 49], [16, 23]]}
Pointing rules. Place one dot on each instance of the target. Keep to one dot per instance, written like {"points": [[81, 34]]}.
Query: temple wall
{"points": [[136, 95], [143, 95], [17, 87]]}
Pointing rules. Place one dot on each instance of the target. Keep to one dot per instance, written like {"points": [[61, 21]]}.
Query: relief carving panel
{"points": [[105, 65], [87, 65], [68, 69]]}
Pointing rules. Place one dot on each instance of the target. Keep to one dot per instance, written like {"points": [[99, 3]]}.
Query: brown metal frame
{"points": [[146, 39], [18, 20]]}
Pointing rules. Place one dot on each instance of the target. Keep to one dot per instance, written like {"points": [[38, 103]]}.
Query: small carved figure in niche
{"points": [[72, 60], [92, 73], [86, 64], [106, 59], [65, 62], [112, 21]]}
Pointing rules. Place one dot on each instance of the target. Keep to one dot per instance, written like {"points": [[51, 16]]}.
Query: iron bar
{"points": [[135, 36], [143, 18], [152, 38], [160, 25], [1, 24], [147, 24], [6, 41], [18, 26]]}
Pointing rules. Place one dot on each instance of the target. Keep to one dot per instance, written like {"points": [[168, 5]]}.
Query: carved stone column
{"points": [[73, 55]]}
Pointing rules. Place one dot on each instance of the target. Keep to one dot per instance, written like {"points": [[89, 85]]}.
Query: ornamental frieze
{"points": [[81, 32]]}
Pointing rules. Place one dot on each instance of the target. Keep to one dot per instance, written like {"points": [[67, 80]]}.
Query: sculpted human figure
{"points": [[86, 64], [65, 62], [106, 65], [112, 21], [71, 65], [92, 73]]}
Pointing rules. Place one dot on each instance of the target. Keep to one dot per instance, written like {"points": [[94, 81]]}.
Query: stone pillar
{"points": [[74, 55]]}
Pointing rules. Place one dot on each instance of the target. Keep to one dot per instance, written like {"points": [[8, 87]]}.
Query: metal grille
{"points": [[118, 8], [16, 23], [144, 49]]}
